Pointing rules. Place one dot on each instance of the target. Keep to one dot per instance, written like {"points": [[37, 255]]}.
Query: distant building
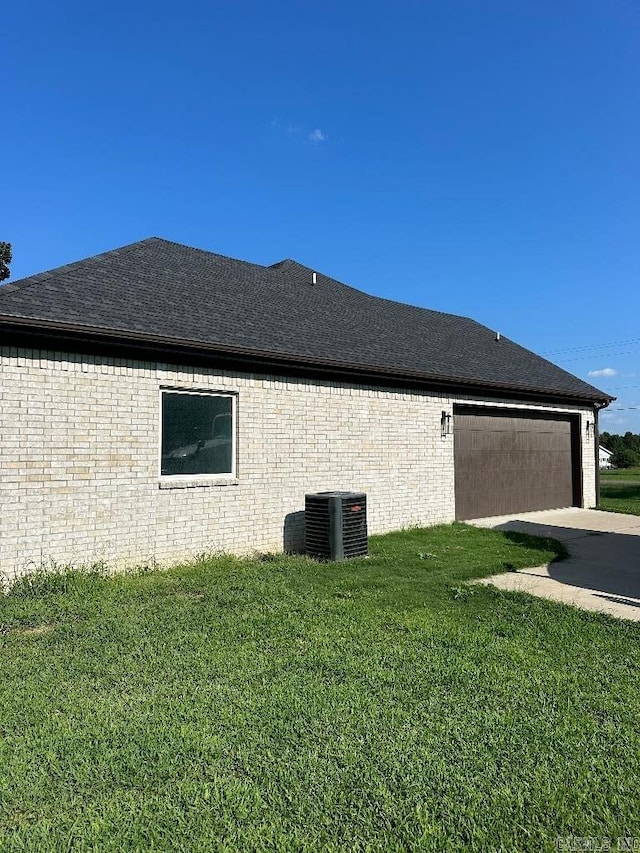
{"points": [[604, 457]]}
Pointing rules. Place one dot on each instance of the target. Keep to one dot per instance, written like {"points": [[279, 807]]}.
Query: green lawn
{"points": [[279, 704], [620, 473], [620, 490]]}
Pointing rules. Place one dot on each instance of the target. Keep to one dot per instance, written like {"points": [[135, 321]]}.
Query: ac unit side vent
{"points": [[336, 525]]}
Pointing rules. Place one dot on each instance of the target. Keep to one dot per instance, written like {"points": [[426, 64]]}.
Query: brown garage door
{"points": [[513, 461]]}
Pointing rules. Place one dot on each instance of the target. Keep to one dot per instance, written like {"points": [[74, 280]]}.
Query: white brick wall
{"points": [[79, 460]]}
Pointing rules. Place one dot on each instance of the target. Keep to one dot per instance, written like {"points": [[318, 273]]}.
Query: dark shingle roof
{"points": [[161, 289]]}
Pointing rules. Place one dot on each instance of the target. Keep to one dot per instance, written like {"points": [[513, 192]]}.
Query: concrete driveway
{"points": [[603, 570]]}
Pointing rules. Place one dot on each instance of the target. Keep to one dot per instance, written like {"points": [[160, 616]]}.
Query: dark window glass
{"points": [[197, 432]]}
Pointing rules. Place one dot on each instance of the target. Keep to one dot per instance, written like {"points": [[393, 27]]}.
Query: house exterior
{"points": [[159, 401], [604, 457]]}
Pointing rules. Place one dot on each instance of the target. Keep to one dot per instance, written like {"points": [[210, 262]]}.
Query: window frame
{"points": [[201, 478]]}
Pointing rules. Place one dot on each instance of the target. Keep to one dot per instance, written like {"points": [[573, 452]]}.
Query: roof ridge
{"points": [[280, 264], [39, 277], [428, 310], [209, 253], [19, 283], [382, 299]]}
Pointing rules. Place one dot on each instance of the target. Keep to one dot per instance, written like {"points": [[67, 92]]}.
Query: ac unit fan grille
{"points": [[317, 528]]}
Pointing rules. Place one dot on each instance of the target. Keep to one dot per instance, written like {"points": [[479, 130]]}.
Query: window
{"points": [[198, 434]]}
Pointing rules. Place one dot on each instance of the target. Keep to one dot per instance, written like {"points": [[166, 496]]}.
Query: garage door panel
{"points": [[510, 462]]}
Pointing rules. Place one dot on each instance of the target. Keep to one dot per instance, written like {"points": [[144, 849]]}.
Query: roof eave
{"points": [[91, 334]]}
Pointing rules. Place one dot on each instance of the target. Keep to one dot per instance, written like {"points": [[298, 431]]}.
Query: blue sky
{"points": [[480, 158]]}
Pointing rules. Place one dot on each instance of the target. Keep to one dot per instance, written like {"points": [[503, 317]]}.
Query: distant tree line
{"points": [[625, 449], [5, 260]]}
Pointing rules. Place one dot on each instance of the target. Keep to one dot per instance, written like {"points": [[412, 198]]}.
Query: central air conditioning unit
{"points": [[336, 525]]}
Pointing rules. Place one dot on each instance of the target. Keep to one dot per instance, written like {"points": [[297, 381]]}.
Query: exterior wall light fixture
{"points": [[445, 424]]}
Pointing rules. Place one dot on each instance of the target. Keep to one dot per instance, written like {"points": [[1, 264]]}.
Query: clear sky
{"points": [[480, 157]]}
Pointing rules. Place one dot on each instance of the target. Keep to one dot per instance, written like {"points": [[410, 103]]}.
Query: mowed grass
{"points": [[620, 473], [280, 704], [620, 490]]}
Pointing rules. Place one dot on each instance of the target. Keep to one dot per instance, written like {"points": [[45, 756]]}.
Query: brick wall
{"points": [[79, 461]]}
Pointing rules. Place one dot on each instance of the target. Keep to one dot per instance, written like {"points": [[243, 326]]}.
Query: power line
{"points": [[620, 387], [591, 347], [589, 357]]}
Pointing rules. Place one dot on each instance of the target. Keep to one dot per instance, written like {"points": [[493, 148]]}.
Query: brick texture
{"points": [[80, 449]]}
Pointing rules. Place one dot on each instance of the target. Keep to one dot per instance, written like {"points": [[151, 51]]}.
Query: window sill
{"points": [[196, 483]]}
